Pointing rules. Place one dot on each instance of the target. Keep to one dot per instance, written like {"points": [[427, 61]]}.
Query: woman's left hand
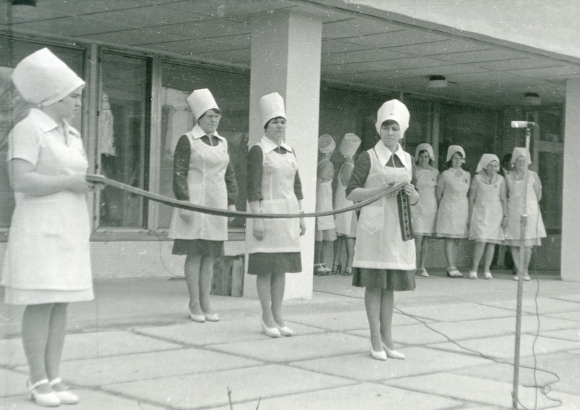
{"points": [[231, 208], [302, 227], [504, 222], [413, 195]]}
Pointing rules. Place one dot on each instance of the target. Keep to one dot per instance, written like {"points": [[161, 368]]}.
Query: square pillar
{"points": [[571, 190], [286, 55]]}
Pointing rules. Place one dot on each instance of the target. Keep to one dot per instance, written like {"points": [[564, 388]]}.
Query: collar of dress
{"points": [[197, 133], [269, 145], [47, 124], [384, 154]]}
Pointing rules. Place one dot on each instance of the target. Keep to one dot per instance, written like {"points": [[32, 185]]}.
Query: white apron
{"points": [[206, 185], [281, 235], [379, 243], [487, 214], [535, 228], [48, 246], [346, 222], [324, 203], [454, 206], [424, 212]]}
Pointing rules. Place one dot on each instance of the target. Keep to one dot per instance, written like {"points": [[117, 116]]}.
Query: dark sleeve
{"points": [[360, 173], [254, 173], [181, 168], [231, 184], [298, 187]]}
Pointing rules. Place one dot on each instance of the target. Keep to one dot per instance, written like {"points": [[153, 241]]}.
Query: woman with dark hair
{"points": [[453, 213], [488, 212], [524, 191], [202, 175], [384, 258], [425, 212], [273, 187]]}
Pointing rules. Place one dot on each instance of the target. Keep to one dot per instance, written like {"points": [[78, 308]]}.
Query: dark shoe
{"points": [[337, 269], [347, 271]]}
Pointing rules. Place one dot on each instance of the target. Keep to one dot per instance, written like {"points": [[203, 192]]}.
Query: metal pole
{"points": [[523, 222]]}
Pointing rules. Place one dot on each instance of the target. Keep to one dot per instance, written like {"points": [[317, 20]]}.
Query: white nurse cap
{"points": [[393, 110], [272, 106], [452, 150], [200, 101], [42, 78], [485, 160], [349, 144], [521, 152], [326, 144], [424, 147]]}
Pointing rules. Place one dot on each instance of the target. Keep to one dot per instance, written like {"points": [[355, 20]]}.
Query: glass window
{"points": [[419, 124], [123, 130], [232, 94], [13, 108]]}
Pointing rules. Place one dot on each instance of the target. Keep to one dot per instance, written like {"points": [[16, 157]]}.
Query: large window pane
{"points": [[123, 141], [231, 92], [13, 108]]}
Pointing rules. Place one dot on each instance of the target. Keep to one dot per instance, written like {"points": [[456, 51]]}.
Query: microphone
{"points": [[523, 124]]}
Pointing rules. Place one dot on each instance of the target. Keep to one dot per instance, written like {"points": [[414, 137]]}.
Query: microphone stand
{"points": [[523, 223]]}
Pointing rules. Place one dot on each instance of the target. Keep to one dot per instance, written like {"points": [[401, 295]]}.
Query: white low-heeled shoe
{"points": [[270, 331], [212, 317], [196, 318], [473, 274], [65, 396], [377, 355], [487, 275], [42, 399], [285, 331], [393, 354]]}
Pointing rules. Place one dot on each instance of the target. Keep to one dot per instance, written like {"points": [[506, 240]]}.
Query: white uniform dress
{"points": [[487, 213], [381, 257], [325, 226], [47, 260], [535, 225], [346, 222], [454, 206], [424, 213]]}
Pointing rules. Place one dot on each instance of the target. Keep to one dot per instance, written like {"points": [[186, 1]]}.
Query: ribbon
{"points": [[99, 179]]}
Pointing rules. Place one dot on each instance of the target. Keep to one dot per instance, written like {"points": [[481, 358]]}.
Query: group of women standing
{"points": [[47, 262], [487, 209]]}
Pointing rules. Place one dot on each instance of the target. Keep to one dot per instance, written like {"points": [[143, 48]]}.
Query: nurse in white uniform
{"points": [[384, 261], [202, 175], [273, 186], [425, 212], [47, 264]]}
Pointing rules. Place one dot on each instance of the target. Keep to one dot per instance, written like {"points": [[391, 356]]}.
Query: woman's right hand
{"points": [[259, 230], [78, 184]]}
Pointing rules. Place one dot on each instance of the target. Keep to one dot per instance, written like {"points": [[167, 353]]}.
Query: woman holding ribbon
{"points": [[202, 175], [524, 191], [346, 222], [488, 212], [273, 186], [384, 258], [47, 264], [425, 212], [453, 213]]}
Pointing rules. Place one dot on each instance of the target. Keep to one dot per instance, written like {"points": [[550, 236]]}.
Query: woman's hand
{"points": [[504, 222], [302, 227], [413, 195], [185, 215], [259, 230], [231, 208], [78, 184]]}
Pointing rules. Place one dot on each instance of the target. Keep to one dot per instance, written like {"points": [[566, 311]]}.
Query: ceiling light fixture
{"points": [[532, 99], [437, 81]]}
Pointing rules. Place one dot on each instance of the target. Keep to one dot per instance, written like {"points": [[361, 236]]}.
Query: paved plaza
{"points": [[133, 347]]}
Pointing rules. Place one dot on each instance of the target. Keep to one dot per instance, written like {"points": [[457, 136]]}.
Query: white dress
{"points": [[487, 213], [454, 206], [424, 213], [47, 259], [346, 222]]}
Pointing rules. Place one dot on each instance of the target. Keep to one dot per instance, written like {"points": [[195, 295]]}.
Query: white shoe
{"points": [[270, 331], [42, 399], [211, 317], [65, 396], [393, 354], [377, 355], [423, 272], [196, 318], [472, 275], [285, 331], [487, 275]]}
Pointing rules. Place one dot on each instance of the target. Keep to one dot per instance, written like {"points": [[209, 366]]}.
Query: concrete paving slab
{"points": [[143, 366], [414, 335], [202, 334], [474, 329], [362, 396], [477, 390], [211, 389], [89, 345], [544, 305], [502, 347], [569, 298], [290, 349], [344, 321], [362, 367], [12, 383], [507, 325], [574, 316], [455, 312], [567, 334], [89, 400]]}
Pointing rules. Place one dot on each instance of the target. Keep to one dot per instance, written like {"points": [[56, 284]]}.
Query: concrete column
{"points": [[571, 192], [286, 54]]}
